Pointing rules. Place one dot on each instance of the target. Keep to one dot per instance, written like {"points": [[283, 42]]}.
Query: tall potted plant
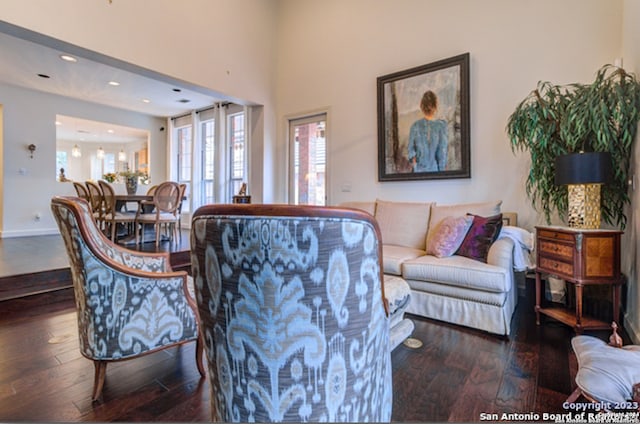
{"points": [[599, 117]]}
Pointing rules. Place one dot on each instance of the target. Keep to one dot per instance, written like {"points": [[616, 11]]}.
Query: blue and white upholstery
{"points": [[294, 322], [129, 303]]}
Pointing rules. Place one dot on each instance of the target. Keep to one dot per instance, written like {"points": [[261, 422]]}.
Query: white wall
{"points": [[332, 51], [29, 184], [226, 46]]}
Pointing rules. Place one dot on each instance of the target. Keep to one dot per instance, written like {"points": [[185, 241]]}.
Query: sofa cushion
{"points": [[440, 212], [457, 271], [483, 232], [448, 235], [394, 256], [403, 223], [369, 207], [398, 294], [456, 292]]}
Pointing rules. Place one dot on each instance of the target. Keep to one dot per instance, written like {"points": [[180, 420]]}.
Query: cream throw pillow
{"points": [[403, 223]]}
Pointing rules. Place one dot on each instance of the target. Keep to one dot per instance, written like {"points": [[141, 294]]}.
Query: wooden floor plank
{"points": [[457, 375]]}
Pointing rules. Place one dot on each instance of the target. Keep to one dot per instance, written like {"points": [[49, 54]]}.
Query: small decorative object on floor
{"points": [[412, 343]]}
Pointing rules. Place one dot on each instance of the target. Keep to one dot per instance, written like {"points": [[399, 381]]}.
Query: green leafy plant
{"points": [[599, 117], [126, 174]]}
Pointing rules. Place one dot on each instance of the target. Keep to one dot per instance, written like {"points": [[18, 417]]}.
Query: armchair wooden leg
{"points": [[575, 395], [98, 382], [199, 354]]}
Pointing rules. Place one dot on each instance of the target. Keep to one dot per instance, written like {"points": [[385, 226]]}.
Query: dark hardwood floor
{"points": [[456, 375]]}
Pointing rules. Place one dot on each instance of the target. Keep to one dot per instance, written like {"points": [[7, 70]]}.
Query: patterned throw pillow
{"points": [[447, 236], [483, 232]]}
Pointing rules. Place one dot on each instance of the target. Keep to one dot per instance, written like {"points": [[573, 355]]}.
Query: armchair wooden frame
{"points": [[96, 260]]}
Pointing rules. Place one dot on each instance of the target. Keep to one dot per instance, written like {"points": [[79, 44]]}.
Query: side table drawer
{"points": [[556, 235], [557, 249], [553, 266]]}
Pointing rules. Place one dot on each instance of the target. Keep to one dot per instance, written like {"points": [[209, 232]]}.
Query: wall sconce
{"points": [[75, 151], [100, 153], [32, 148], [583, 173]]}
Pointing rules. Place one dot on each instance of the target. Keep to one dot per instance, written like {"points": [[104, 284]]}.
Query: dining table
{"points": [[123, 199]]}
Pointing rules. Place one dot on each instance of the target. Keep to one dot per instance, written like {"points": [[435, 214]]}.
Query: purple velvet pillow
{"points": [[483, 232]]}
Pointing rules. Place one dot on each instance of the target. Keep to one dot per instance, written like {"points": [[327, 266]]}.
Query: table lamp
{"points": [[583, 173]]}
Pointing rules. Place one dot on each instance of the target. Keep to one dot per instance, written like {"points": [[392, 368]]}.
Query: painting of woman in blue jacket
{"points": [[428, 138]]}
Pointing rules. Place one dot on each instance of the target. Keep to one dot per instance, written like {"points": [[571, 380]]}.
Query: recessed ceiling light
{"points": [[114, 83], [177, 90], [44, 76], [68, 58], [110, 131], [58, 123], [146, 101], [184, 101]]}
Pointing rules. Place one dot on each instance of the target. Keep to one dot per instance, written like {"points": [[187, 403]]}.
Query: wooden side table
{"points": [[581, 257]]}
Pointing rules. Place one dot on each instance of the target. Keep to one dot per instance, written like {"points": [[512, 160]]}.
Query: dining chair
{"points": [[147, 205], [166, 200], [291, 305], [128, 303], [112, 217], [97, 202], [183, 190], [81, 190]]}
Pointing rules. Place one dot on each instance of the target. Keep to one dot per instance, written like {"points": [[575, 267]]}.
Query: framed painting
{"points": [[423, 122]]}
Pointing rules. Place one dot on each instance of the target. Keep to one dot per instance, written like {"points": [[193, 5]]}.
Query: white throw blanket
{"points": [[524, 244]]}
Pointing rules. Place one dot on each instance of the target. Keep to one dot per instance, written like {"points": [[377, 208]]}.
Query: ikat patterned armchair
{"points": [[129, 303], [292, 312]]}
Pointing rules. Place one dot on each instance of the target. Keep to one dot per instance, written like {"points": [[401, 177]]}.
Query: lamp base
{"points": [[584, 206]]}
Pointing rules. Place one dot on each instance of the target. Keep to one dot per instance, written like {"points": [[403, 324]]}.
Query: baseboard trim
{"points": [[29, 233]]}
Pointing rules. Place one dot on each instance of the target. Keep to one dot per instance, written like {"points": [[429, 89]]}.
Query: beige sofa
{"points": [[454, 289]]}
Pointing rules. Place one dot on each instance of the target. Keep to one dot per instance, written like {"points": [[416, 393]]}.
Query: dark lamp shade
{"points": [[583, 168]]}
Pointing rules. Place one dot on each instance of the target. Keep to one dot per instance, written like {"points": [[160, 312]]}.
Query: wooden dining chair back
{"points": [[81, 190], [112, 217], [292, 308], [166, 200], [183, 190], [147, 205], [129, 303], [96, 200]]}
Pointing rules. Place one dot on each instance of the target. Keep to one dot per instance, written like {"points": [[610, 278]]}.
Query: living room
{"points": [[294, 57]]}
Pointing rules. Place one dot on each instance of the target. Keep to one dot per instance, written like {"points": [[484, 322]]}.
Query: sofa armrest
{"points": [[501, 254]]}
